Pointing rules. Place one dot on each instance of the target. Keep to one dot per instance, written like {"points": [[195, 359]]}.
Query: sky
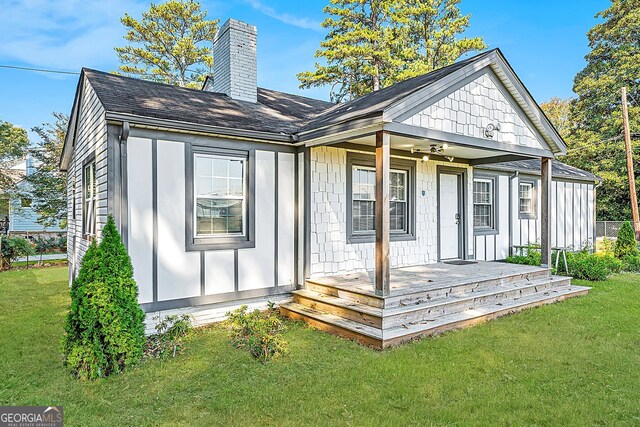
{"points": [[544, 41]]}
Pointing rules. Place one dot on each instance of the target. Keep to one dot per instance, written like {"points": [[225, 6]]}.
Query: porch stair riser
{"points": [[372, 321]]}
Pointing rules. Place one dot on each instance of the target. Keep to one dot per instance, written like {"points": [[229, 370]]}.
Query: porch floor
{"points": [[424, 300], [408, 280]]}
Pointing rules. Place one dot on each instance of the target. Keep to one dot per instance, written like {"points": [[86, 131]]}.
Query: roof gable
{"points": [[477, 102]]}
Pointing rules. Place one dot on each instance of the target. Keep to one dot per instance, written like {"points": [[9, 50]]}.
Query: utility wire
{"points": [[40, 70]]}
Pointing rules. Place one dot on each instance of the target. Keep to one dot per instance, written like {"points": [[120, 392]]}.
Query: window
{"points": [[361, 185], [527, 200], [89, 197], [220, 210], [363, 202], [484, 205], [219, 195]]}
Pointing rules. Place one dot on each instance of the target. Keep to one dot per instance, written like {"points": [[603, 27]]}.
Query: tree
{"points": [[558, 110], [595, 140], [104, 331], [626, 244], [433, 27], [13, 145], [172, 43], [375, 43], [47, 185]]}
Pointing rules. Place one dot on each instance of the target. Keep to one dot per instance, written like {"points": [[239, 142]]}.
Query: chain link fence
{"points": [[608, 229]]}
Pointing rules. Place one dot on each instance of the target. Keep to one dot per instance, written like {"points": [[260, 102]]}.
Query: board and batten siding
{"points": [[165, 270], [90, 140], [572, 218]]}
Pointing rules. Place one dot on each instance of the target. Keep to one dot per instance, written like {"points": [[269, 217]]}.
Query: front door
{"points": [[450, 216]]}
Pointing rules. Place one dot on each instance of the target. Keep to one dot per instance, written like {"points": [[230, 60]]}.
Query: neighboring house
{"points": [[236, 193], [23, 219]]}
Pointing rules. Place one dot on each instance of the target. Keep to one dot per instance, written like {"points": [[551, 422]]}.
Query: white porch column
{"points": [[382, 226], [545, 212]]}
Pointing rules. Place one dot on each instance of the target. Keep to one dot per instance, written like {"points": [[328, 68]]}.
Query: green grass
{"points": [[572, 363]]}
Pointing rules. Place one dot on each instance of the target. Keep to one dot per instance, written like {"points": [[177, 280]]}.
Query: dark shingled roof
{"points": [[275, 112], [532, 166], [376, 102]]}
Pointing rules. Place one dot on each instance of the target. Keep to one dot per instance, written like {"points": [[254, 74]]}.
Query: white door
{"points": [[449, 217]]}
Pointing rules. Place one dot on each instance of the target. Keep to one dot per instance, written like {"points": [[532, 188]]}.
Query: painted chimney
{"points": [[235, 61]]}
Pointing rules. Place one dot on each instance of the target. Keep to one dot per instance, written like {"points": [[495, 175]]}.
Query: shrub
{"points": [[532, 257], [259, 332], [104, 331], [171, 334], [626, 242], [606, 246], [13, 248], [631, 263], [594, 267]]}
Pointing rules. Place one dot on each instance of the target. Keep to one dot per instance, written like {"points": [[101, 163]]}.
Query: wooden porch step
{"points": [[421, 291], [422, 309], [378, 337], [398, 335]]}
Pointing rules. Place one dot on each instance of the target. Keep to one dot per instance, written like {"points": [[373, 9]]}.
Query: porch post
{"points": [[545, 212], [382, 212]]}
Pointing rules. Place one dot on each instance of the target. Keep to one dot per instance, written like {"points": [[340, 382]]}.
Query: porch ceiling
{"points": [[405, 143]]}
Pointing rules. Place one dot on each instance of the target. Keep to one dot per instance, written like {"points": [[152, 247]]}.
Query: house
{"points": [[23, 219], [368, 212]]}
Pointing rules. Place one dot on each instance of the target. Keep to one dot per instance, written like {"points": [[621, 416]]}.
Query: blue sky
{"points": [[545, 41]]}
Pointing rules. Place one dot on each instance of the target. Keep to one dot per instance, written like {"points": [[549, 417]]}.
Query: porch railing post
{"points": [[383, 159], [545, 212]]}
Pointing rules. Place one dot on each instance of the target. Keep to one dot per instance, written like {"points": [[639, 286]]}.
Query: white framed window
{"points": [[219, 195], [526, 198], [363, 200], [89, 199], [483, 204], [527, 206]]}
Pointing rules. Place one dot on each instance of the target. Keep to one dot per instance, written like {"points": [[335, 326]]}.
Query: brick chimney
{"points": [[235, 61]]}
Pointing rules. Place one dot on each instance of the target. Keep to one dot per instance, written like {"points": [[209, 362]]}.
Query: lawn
{"points": [[571, 363]]}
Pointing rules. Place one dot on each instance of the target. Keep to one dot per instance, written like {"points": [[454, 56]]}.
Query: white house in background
{"points": [[238, 194]]}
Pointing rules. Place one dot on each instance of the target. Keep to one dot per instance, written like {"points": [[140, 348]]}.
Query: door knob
{"points": [[457, 218]]}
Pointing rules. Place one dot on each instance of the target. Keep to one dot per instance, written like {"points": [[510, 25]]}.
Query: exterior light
{"points": [[425, 158], [445, 146]]}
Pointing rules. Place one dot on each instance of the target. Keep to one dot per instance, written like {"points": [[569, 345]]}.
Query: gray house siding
{"points": [[90, 140]]}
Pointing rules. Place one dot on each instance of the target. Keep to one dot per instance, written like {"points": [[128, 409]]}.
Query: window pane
{"points": [[218, 216], [220, 167], [363, 216], [204, 186], [397, 216], [203, 166], [219, 187], [235, 168]]}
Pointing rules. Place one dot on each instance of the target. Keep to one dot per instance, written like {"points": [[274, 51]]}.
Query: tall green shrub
{"points": [[626, 243], [104, 331]]}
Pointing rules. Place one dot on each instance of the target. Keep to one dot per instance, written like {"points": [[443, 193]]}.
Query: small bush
{"points": [[593, 267], [171, 335], [532, 257], [626, 243], [13, 248], [259, 332], [104, 330], [631, 263], [606, 246]]}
